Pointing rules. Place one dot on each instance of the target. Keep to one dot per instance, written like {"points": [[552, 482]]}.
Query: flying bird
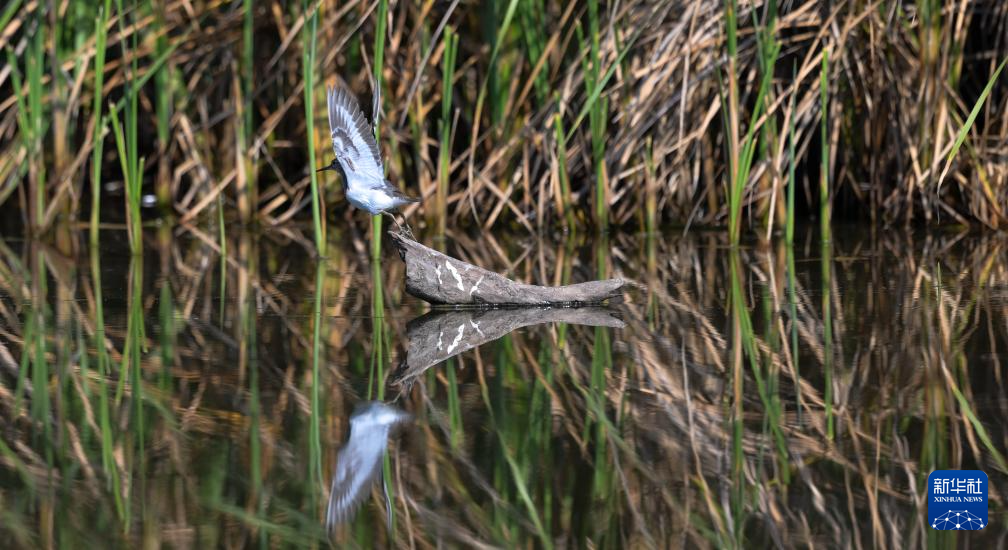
{"points": [[358, 158], [360, 460]]}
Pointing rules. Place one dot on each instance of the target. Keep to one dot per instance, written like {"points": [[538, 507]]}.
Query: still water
{"points": [[247, 395]]}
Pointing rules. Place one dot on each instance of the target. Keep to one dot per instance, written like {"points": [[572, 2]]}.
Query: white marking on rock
{"points": [[455, 273], [473, 289], [437, 271], [458, 338], [476, 326], [439, 334]]}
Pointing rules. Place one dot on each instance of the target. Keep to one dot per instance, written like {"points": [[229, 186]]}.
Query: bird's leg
{"points": [[408, 231], [404, 230], [395, 221]]}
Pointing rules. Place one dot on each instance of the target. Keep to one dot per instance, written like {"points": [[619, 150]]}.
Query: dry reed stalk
{"points": [[887, 144]]}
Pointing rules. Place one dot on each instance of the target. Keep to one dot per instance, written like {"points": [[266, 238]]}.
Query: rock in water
{"points": [[445, 281]]}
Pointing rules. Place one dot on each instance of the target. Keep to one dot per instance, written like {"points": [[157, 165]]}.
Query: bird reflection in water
{"points": [[359, 463]]}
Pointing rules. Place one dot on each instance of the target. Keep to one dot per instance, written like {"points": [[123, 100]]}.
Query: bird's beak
{"points": [[323, 169]]}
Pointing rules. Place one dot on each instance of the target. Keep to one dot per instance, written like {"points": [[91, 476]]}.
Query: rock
{"points": [[445, 281]]}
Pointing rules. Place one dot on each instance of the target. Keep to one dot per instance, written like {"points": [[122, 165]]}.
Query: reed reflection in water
{"points": [[764, 396]]}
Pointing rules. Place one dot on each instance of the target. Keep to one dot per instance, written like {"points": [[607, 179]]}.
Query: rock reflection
{"points": [[440, 335], [359, 463]]}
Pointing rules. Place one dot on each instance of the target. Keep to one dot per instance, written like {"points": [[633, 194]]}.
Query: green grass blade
{"points": [[964, 131]]}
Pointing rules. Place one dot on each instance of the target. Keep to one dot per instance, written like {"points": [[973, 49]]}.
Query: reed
{"points": [[130, 171], [824, 166], [255, 422], [113, 483], [37, 328], [559, 65], [533, 27], [489, 16], [491, 24], [968, 124], [826, 274], [246, 132], [131, 367], [956, 374], [511, 465], [315, 415], [379, 360], [455, 423], [772, 411], [766, 186], [445, 154], [30, 121], [25, 132], [309, 37], [730, 109], [651, 194], [222, 239], [167, 335], [792, 333], [789, 226], [597, 119], [36, 118], [58, 115], [566, 206], [164, 82], [381, 23], [773, 396], [735, 407], [742, 149], [101, 36], [9, 12]]}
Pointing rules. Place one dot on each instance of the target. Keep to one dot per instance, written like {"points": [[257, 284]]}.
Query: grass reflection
{"points": [[764, 396]]}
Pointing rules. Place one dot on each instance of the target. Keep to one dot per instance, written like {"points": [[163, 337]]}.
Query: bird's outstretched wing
{"points": [[357, 468], [352, 136], [358, 464]]}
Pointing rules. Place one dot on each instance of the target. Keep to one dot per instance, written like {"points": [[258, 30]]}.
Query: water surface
{"points": [[766, 396]]}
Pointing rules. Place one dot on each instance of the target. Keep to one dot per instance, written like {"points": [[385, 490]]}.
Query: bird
{"points": [[358, 159], [359, 461]]}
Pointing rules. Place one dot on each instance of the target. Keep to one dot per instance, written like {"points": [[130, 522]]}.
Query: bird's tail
{"points": [[402, 195]]}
